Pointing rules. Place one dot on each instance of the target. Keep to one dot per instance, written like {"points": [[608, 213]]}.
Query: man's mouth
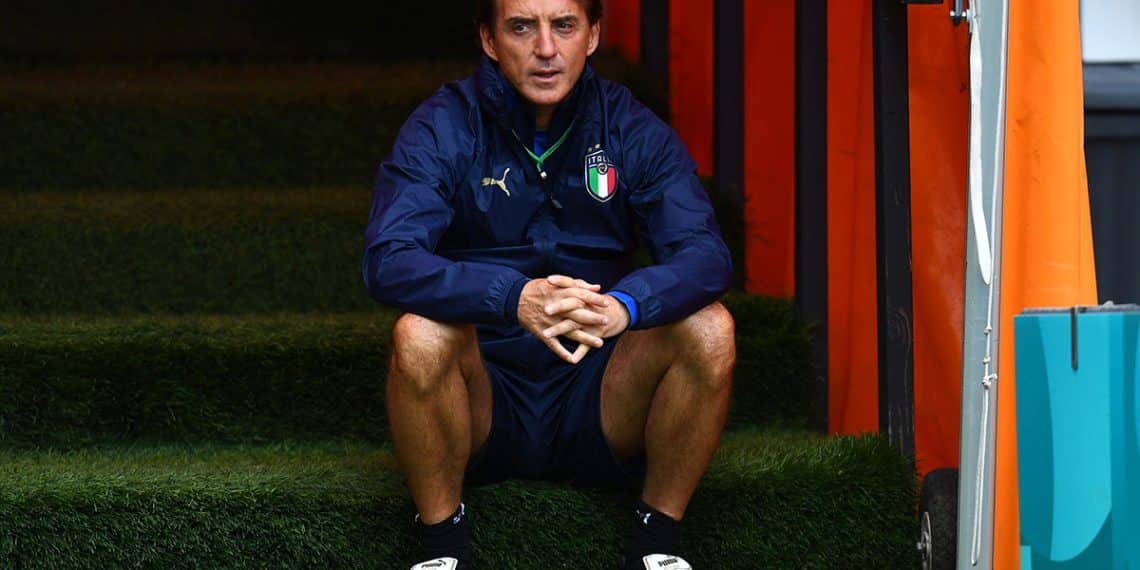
{"points": [[546, 74]]}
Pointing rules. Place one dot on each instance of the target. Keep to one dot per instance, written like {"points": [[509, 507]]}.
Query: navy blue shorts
{"points": [[547, 424]]}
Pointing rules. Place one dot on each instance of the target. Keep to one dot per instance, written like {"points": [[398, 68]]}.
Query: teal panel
{"points": [[1094, 557], [1077, 433], [1125, 416]]}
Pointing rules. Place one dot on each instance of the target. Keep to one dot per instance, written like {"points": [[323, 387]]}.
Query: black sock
{"points": [[449, 537], [654, 532]]}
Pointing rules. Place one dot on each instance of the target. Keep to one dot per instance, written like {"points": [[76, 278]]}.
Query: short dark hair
{"points": [[485, 12]]}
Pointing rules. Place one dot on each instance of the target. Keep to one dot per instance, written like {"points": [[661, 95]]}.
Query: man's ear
{"points": [[595, 35], [488, 40]]}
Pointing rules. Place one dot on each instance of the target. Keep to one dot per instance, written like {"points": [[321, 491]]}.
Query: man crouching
{"points": [[505, 224]]}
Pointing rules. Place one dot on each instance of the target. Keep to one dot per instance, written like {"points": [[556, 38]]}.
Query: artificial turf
{"points": [[74, 381], [189, 126], [235, 251], [191, 373], [208, 251], [770, 500]]}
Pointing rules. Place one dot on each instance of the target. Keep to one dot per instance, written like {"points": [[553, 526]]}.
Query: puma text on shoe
{"points": [[665, 562]]}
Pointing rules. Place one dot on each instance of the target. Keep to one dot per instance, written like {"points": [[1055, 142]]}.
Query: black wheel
{"points": [[938, 520]]}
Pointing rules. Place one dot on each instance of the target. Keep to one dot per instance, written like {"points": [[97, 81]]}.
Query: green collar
{"points": [[539, 160]]}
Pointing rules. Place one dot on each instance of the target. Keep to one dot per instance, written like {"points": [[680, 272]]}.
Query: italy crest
{"points": [[601, 176]]}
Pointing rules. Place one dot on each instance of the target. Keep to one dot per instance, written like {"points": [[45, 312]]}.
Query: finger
{"points": [[564, 305], [561, 328], [560, 280], [558, 349], [590, 297], [576, 331], [586, 317], [583, 284], [579, 353], [568, 282], [583, 337]]}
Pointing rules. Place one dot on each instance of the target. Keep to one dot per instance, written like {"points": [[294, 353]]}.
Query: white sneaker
{"points": [[665, 562], [438, 564]]}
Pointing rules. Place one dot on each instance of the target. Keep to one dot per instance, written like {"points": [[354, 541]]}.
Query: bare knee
{"points": [[424, 351], [707, 342]]}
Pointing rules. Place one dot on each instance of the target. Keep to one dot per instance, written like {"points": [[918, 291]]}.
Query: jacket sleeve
{"points": [[411, 210], [692, 266]]}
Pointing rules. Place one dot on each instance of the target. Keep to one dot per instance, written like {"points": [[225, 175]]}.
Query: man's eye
{"points": [[520, 28], [564, 26]]}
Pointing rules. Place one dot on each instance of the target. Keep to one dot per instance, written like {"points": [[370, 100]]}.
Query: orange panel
{"points": [[621, 25], [769, 146], [1047, 254], [939, 131], [853, 392], [691, 78]]}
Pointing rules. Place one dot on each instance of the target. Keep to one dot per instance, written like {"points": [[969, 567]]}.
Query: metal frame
{"points": [[728, 106], [982, 303], [811, 188], [892, 221], [655, 38]]}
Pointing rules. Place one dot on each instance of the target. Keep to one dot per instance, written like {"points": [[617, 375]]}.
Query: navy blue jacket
{"points": [[462, 217]]}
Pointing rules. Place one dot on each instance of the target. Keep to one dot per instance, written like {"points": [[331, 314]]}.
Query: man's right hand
{"points": [[543, 305]]}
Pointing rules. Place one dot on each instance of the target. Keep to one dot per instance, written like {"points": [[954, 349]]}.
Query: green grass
{"points": [[206, 143], [185, 126], [771, 500], [250, 251], [77, 382], [235, 251], [191, 373], [237, 84], [773, 384], [101, 295], [207, 126], [71, 381]]}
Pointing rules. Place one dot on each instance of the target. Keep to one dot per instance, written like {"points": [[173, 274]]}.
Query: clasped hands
{"points": [[561, 306]]}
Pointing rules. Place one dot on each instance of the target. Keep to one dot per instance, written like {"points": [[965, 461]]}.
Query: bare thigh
{"points": [[703, 344], [637, 365], [479, 395], [428, 355]]}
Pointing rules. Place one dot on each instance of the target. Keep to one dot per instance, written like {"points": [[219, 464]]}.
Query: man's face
{"points": [[541, 47]]}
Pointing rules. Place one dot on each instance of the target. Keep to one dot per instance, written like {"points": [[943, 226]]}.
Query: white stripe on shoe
{"points": [[437, 564]]}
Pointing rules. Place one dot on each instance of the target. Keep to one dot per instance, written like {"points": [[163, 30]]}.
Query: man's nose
{"points": [[544, 47]]}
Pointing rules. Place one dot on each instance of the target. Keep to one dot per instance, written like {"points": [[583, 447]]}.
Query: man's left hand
{"points": [[576, 325]]}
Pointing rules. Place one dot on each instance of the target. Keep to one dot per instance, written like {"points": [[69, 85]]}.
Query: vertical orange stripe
{"points": [[691, 77], [622, 27], [852, 317], [939, 130], [769, 146], [1047, 255]]}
